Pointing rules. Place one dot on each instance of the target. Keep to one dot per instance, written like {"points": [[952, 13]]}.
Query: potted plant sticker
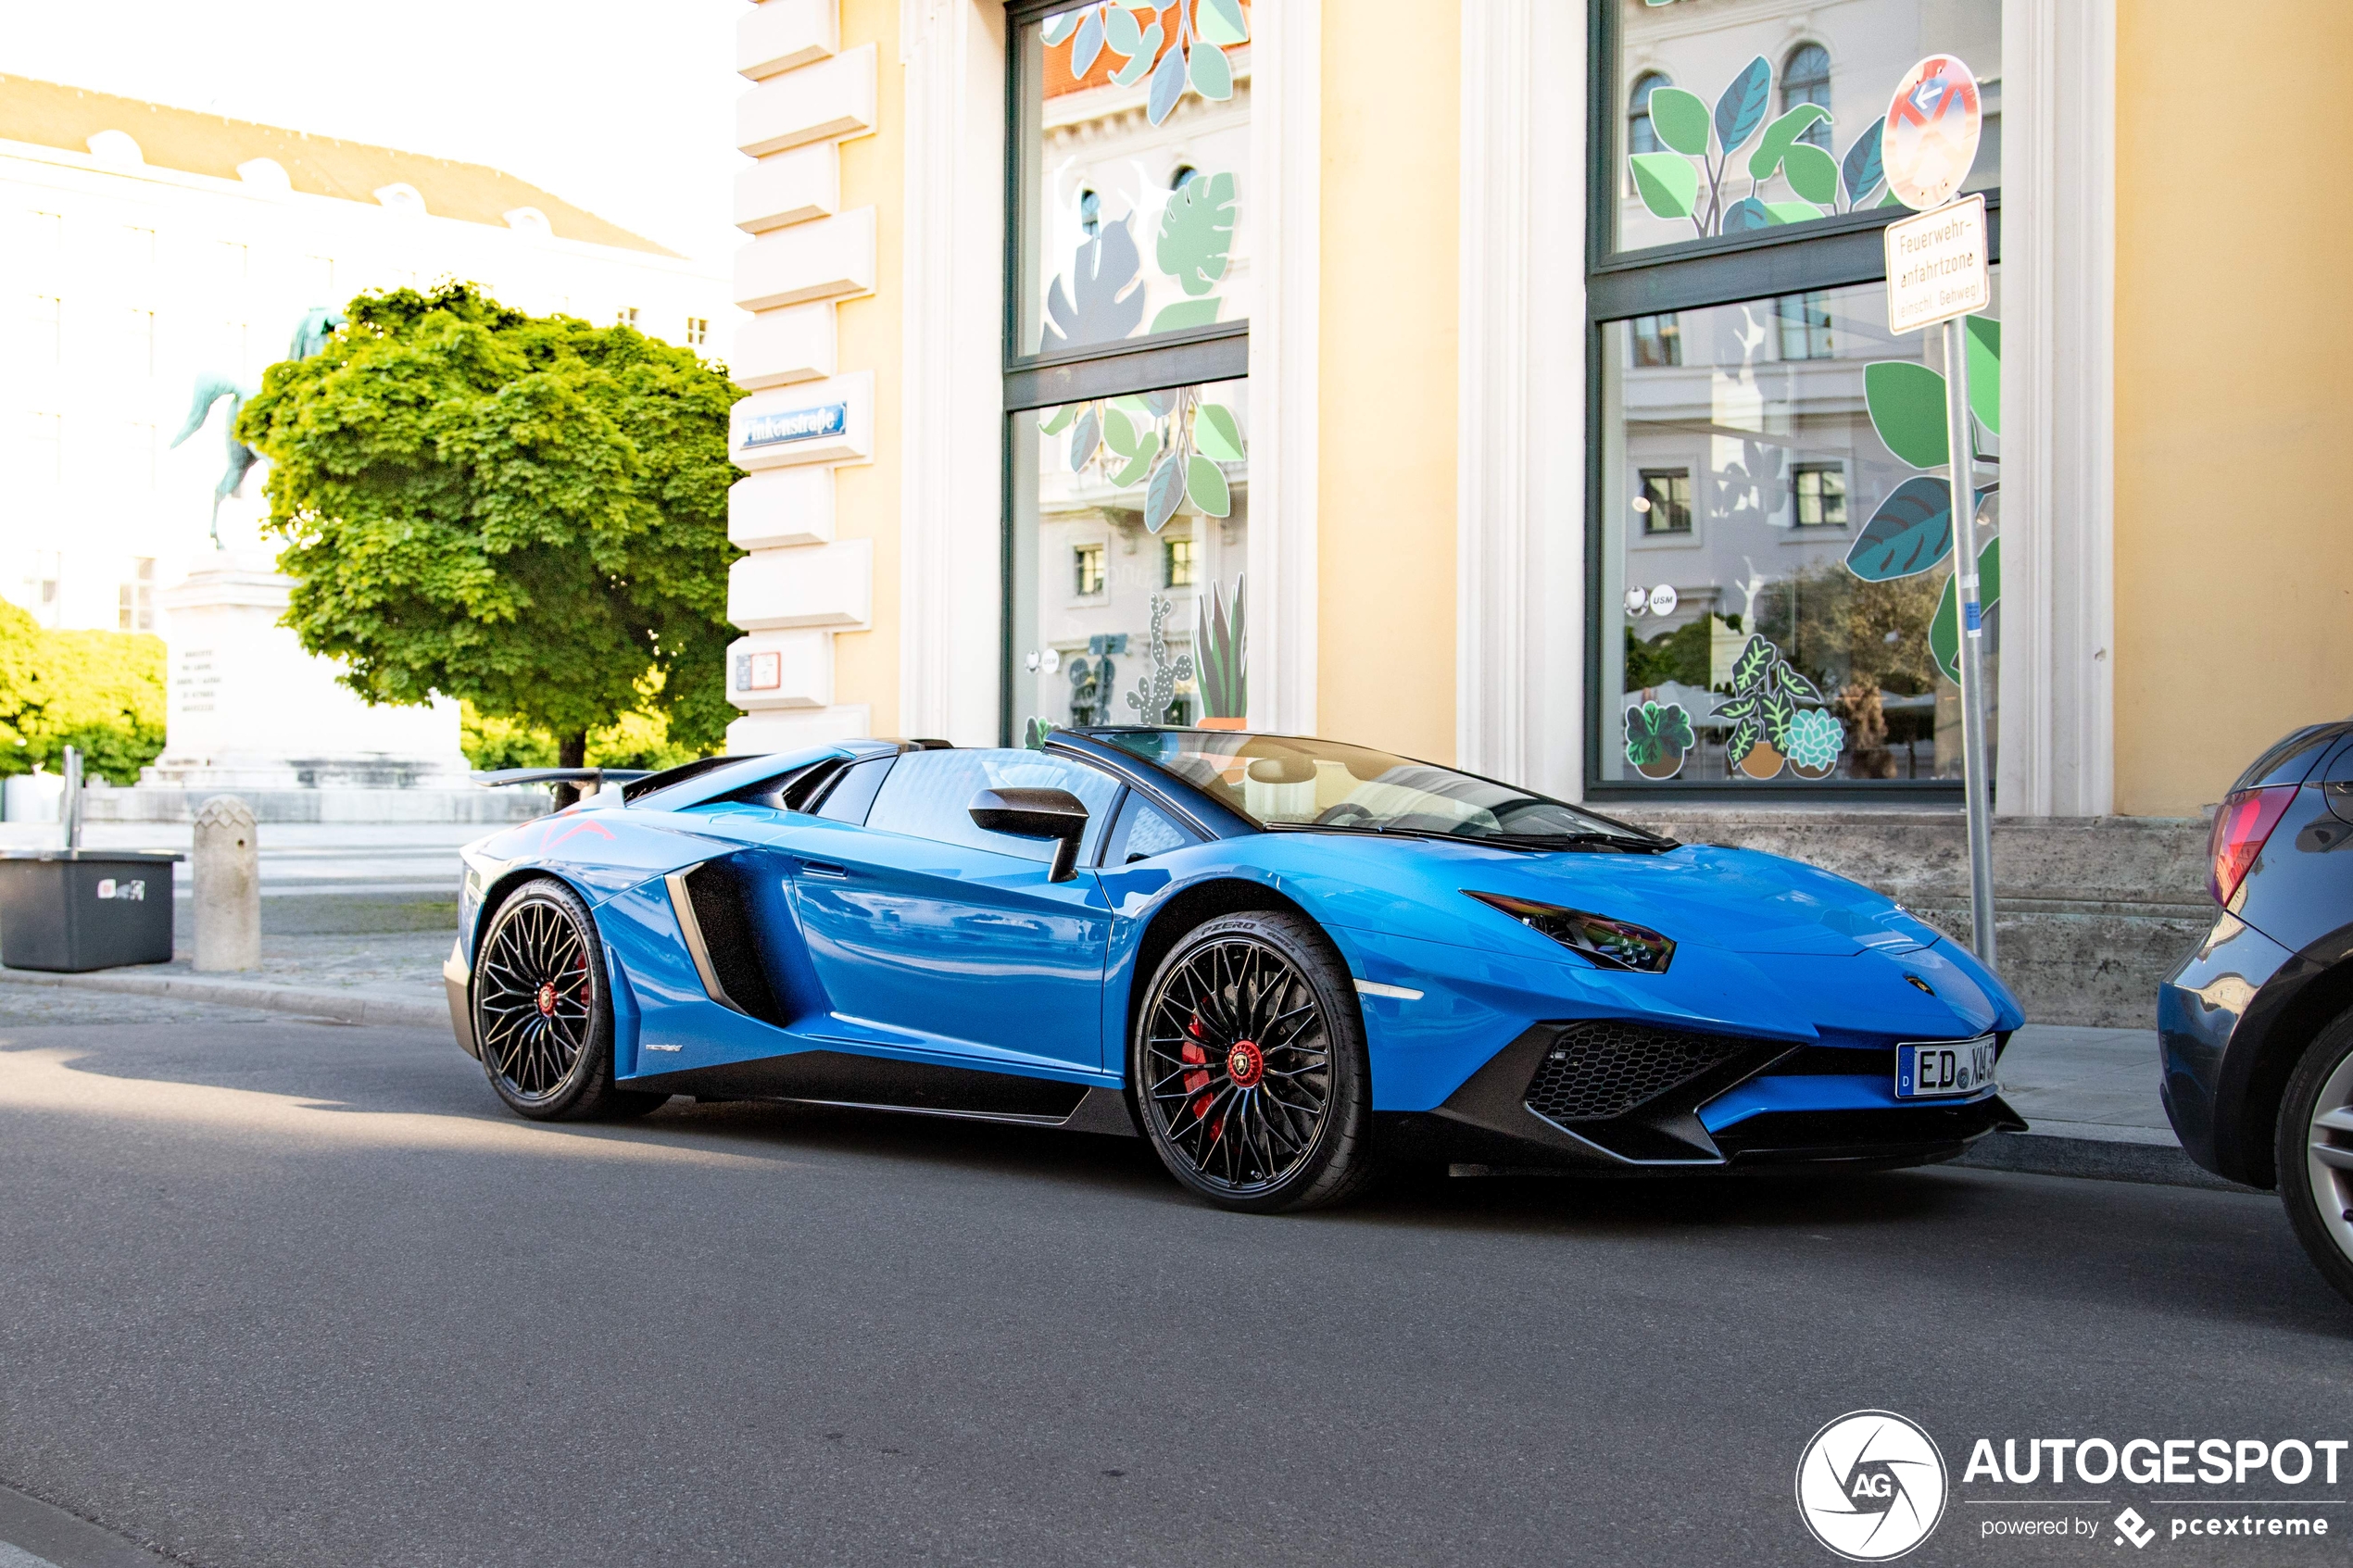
{"points": [[1658, 736], [1769, 731]]}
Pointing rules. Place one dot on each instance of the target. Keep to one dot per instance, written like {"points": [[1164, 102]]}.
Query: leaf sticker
{"points": [[1088, 43], [1738, 708], [1743, 740], [1221, 22], [1121, 32], [1147, 50], [1061, 419], [1747, 215], [1163, 492], [1213, 78], [1910, 532], [1141, 464], [1084, 440], [1797, 686], [1742, 108], [1793, 212], [1118, 434], [1186, 313], [1196, 232], [1061, 26], [1775, 716], [1099, 302], [1779, 137], [1132, 404], [1984, 338], [1906, 401], [1206, 484], [1168, 85], [1754, 660], [1681, 119], [1161, 404], [1216, 433], [1861, 168], [1667, 183], [1813, 173]]}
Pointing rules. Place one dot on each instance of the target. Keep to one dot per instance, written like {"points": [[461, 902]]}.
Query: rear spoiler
{"points": [[594, 778]]}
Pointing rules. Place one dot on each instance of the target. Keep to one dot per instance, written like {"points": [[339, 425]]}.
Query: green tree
{"points": [[99, 691], [526, 512]]}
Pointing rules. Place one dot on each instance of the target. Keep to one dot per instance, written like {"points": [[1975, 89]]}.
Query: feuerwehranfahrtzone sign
{"points": [[1936, 267]]}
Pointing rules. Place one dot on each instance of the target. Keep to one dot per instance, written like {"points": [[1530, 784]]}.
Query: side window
{"points": [[929, 794], [1143, 830], [854, 794]]}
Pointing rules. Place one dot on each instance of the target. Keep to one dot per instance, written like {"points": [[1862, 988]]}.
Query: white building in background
{"points": [[143, 246]]}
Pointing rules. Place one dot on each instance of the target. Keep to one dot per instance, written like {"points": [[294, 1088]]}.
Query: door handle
{"points": [[825, 870]]}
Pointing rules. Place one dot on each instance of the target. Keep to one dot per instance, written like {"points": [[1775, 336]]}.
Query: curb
{"points": [[2042, 1154], [339, 1006]]}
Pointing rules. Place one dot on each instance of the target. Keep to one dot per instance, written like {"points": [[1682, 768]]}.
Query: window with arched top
{"points": [[1641, 136], [1805, 79], [1090, 213], [1186, 174]]}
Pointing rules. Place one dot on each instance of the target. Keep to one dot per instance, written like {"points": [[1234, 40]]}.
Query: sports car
{"points": [[1279, 960]]}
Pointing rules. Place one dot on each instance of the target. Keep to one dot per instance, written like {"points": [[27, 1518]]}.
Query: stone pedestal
{"points": [[247, 708]]}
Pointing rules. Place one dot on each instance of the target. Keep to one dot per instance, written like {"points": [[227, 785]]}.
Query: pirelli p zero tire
{"points": [[541, 1013], [1248, 1061], [2315, 1153]]}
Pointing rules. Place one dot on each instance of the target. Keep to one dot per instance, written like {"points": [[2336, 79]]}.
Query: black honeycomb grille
{"points": [[1595, 1071]]}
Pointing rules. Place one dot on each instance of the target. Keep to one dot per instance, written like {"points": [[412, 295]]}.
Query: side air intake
{"points": [[713, 902]]}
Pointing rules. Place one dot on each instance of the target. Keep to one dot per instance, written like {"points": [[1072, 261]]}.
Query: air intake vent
{"points": [[1595, 1071], [718, 894]]}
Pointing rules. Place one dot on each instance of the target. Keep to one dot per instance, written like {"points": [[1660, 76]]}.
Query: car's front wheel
{"points": [[541, 1013], [1248, 1061], [2315, 1152]]}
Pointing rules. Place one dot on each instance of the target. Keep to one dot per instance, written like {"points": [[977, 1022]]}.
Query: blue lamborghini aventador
{"points": [[1278, 960]]}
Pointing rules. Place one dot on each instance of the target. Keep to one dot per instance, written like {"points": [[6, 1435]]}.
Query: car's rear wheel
{"points": [[1248, 1061], [541, 1013], [2315, 1152]]}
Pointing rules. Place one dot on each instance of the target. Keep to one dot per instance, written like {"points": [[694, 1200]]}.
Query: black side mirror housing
{"points": [[1036, 813]]}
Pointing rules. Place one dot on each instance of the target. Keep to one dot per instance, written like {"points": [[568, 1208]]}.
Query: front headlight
{"points": [[1613, 943]]}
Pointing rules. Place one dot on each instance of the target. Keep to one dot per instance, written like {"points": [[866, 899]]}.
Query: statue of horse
{"points": [[318, 324]]}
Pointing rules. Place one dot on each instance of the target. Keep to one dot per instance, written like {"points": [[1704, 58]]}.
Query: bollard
{"points": [[70, 803], [228, 865]]}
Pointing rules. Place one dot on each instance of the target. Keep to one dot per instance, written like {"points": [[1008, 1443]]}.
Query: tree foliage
{"points": [[527, 512], [100, 692]]}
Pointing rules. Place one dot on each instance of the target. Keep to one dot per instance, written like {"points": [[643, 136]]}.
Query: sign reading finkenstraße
{"points": [[1936, 265]]}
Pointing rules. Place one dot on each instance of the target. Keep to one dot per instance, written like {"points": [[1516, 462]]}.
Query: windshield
{"points": [[1289, 782]]}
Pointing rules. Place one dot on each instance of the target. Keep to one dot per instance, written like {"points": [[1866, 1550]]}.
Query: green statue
{"points": [[318, 324]]}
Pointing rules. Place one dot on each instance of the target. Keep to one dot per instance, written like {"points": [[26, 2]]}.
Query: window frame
{"points": [[1195, 357], [1828, 253]]}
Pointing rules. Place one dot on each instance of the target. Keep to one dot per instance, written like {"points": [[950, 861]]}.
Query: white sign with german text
{"points": [[1936, 265]]}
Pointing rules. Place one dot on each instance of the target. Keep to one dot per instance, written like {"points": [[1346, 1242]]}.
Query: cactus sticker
{"points": [[1658, 737], [1769, 731]]}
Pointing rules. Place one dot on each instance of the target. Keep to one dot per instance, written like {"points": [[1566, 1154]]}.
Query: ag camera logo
{"points": [[1871, 1486]]}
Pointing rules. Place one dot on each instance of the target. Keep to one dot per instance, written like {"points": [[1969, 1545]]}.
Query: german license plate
{"points": [[1945, 1068]]}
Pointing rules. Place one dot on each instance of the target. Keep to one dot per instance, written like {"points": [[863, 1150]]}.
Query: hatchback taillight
{"points": [[2241, 824]]}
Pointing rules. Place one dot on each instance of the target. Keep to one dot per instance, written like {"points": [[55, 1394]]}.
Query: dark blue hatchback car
{"points": [[2256, 1024]]}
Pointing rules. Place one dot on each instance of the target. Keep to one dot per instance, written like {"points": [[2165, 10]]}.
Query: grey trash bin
{"points": [[77, 910]]}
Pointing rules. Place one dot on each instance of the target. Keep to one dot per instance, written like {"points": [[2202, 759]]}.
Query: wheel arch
{"points": [[2316, 1002], [1193, 906]]}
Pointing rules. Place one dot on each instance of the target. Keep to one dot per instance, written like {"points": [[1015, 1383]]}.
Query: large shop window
{"points": [[1128, 494], [1770, 555]]}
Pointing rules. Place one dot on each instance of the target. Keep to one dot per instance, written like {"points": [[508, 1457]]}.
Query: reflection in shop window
{"points": [[1640, 135], [1658, 340], [1805, 79], [1780, 611], [1806, 326], [1665, 501], [1088, 561], [1177, 563], [1821, 495]]}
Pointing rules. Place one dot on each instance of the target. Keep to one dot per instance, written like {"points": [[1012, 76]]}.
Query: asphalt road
{"points": [[278, 1293]]}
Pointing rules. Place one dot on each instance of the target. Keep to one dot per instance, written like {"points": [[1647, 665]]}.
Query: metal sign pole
{"points": [[1974, 790]]}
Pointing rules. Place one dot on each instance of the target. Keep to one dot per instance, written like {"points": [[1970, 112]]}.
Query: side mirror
{"points": [[1036, 813]]}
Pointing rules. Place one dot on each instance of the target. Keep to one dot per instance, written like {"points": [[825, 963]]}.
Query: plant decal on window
{"points": [[1169, 442], [1205, 29], [1156, 694], [1671, 185], [1768, 729], [1658, 736]]}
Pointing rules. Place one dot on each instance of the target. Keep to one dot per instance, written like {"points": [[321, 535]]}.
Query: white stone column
{"points": [[227, 856], [805, 415]]}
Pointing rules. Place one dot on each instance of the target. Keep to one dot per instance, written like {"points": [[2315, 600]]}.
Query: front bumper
{"points": [[2200, 1011], [1663, 1101]]}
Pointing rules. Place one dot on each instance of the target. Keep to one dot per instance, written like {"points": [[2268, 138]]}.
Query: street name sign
{"points": [[1936, 267]]}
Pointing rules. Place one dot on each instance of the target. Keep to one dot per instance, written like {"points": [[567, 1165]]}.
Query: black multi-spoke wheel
{"points": [[1248, 1065], [542, 1019]]}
